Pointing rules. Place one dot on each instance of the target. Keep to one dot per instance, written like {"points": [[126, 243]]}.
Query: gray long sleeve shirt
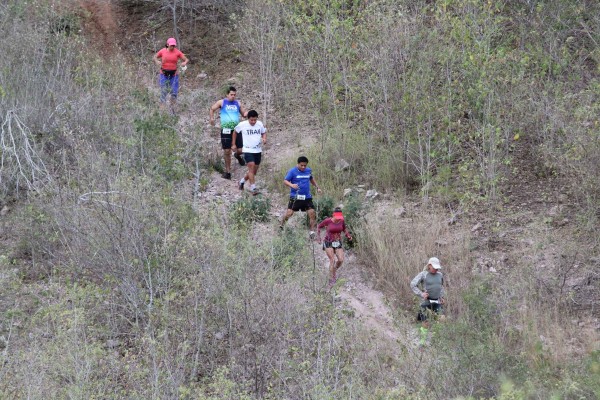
{"points": [[431, 283]]}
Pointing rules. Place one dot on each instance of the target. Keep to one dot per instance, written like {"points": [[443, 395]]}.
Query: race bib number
{"points": [[336, 244], [434, 301], [301, 197], [226, 131]]}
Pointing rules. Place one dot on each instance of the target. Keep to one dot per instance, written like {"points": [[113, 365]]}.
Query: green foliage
{"points": [[370, 162], [324, 206], [289, 250], [250, 209], [438, 94], [471, 350], [67, 24], [354, 210], [159, 147], [126, 292], [222, 387]]}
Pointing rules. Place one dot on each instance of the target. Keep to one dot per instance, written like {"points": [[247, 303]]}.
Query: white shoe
{"points": [[312, 234]]}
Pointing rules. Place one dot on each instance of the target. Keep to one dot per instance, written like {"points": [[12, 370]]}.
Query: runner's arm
{"points": [[322, 225], [157, 60], [233, 137], [185, 60], [414, 284], [314, 183], [212, 110], [348, 235], [290, 184], [243, 111]]}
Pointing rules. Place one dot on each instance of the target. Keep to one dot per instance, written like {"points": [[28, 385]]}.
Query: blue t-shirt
{"points": [[230, 114], [302, 179]]}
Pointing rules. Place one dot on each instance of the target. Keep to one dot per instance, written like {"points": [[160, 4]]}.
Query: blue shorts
{"points": [[168, 85], [253, 157]]}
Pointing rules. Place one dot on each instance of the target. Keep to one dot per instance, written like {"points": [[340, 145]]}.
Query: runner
{"points": [[254, 135], [332, 244], [299, 179], [432, 293], [168, 80], [231, 109]]}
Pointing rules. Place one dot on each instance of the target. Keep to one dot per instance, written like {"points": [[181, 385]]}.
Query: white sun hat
{"points": [[435, 263]]}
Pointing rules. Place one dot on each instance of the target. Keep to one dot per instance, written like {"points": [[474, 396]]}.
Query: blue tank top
{"points": [[230, 114]]}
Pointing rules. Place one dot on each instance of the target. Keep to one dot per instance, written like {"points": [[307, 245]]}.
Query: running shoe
{"points": [[312, 234], [241, 185], [332, 282], [226, 175]]}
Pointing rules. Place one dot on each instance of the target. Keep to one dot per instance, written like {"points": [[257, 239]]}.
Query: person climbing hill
{"points": [[231, 109], [167, 59], [332, 243], [254, 135], [299, 179]]}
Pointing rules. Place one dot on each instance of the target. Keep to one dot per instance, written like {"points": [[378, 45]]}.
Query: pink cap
{"points": [[171, 42]]}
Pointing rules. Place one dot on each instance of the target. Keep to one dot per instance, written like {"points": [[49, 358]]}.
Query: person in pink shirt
{"points": [[332, 243], [167, 59]]}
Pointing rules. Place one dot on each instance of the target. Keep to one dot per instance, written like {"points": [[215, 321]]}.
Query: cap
{"points": [[337, 213], [171, 42], [435, 263]]}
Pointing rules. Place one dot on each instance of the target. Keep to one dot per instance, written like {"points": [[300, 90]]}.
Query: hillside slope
{"points": [[130, 268]]}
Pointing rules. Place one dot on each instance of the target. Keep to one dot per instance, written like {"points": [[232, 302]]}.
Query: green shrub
{"points": [[324, 206], [250, 209], [471, 350], [159, 146], [289, 250]]}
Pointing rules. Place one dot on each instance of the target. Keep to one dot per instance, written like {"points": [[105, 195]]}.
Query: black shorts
{"points": [[300, 205], [253, 157], [429, 308], [327, 245], [226, 140]]}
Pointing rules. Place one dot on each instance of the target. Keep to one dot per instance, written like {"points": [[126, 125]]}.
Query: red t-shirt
{"points": [[169, 58], [334, 229]]}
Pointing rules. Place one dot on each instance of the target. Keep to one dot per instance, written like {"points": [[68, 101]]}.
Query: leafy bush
{"points": [[289, 250], [324, 206], [159, 146], [470, 350], [249, 209]]}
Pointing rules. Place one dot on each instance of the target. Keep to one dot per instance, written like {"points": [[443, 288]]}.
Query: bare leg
{"points": [[340, 258], [227, 157], [332, 265], [252, 170], [287, 216], [312, 218]]}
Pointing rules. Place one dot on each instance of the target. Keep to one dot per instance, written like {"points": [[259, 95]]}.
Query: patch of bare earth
{"points": [[100, 23]]}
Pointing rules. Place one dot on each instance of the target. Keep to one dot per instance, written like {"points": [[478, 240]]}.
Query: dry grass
{"points": [[397, 249]]}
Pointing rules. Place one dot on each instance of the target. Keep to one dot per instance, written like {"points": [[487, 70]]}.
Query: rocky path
{"points": [[196, 96], [353, 291]]}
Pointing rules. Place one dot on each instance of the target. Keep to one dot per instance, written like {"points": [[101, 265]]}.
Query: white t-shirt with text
{"points": [[251, 135]]}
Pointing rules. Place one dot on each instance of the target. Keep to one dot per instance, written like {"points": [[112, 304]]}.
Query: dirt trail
{"points": [[195, 98], [368, 304], [100, 22]]}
